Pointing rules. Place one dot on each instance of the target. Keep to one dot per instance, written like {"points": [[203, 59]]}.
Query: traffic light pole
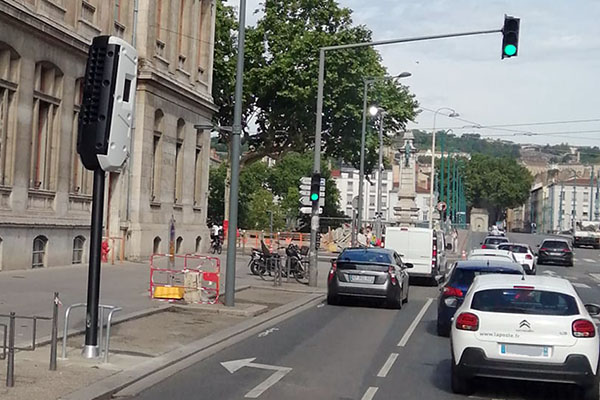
{"points": [[91, 349], [314, 221]]}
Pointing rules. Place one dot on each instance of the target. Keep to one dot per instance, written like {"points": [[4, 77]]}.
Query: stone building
{"points": [[45, 194]]}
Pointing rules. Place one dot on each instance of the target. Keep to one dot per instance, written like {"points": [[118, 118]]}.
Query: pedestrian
{"points": [[454, 240], [361, 238]]}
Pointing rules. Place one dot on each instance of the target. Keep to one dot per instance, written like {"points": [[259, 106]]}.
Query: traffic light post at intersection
{"points": [[314, 222]]}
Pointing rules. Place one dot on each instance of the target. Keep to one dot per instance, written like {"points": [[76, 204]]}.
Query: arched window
{"points": [[78, 244], [178, 192], [156, 245], [198, 244], [178, 244], [39, 252], [9, 72], [156, 156], [47, 96]]}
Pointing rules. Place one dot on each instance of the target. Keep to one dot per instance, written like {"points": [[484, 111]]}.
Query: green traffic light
{"points": [[510, 50], [314, 197]]}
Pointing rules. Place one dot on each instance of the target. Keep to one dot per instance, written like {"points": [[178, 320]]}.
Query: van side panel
{"points": [[415, 246]]}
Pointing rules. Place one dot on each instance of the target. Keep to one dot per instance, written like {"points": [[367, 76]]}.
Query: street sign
{"points": [[305, 180], [306, 201], [441, 206], [308, 210]]}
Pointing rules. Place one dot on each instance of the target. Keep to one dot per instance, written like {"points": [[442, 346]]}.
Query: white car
{"points": [[492, 254], [526, 328], [524, 255]]}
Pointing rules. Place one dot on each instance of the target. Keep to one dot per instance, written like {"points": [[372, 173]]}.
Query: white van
{"points": [[424, 248]]}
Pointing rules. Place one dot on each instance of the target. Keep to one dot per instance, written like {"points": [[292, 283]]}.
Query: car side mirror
{"points": [[448, 246], [593, 309], [408, 265], [481, 243]]}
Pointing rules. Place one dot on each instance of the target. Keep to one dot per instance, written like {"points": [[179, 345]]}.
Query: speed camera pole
{"points": [[103, 144]]}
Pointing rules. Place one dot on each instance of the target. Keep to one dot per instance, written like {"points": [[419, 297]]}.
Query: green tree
{"points": [[260, 205], [216, 192], [496, 183]]}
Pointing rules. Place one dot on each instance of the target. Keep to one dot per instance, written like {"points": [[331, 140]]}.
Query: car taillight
{"points": [[392, 274], [332, 271], [528, 257], [543, 249], [567, 250], [467, 322], [451, 291], [483, 246], [582, 328]]}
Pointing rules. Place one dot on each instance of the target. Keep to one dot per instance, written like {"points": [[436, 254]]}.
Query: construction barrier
{"points": [[191, 278], [111, 246]]}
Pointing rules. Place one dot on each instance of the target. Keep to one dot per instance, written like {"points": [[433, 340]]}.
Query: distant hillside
{"points": [[471, 143]]}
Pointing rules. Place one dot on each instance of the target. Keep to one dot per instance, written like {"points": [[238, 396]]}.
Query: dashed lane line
{"points": [[580, 285], [387, 366], [596, 277], [370, 393], [589, 260], [414, 324]]}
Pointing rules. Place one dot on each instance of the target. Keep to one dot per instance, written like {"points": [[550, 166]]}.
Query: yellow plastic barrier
{"points": [[168, 292]]}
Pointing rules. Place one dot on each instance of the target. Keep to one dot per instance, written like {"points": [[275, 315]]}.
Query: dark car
{"points": [[492, 242], [369, 273], [458, 282], [555, 251]]}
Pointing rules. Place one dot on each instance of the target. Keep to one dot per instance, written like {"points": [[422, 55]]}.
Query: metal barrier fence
{"points": [[111, 310], [191, 277]]}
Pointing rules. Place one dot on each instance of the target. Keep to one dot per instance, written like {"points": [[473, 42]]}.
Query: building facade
{"points": [[45, 193]]}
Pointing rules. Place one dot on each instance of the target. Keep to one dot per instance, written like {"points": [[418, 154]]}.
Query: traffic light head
{"points": [[510, 36], [108, 102], [315, 187]]}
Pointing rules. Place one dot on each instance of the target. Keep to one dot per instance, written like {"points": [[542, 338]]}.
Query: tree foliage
{"points": [[496, 183], [470, 143], [216, 193]]}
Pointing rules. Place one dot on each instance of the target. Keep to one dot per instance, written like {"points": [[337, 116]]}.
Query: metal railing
{"points": [[111, 310]]}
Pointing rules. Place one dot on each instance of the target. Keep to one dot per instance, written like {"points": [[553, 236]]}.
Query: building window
{"points": [[198, 171], [371, 200], [156, 156], [586, 196], [350, 175], [156, 245], [182, 34], [39, 252], [371, 214], [9, 76], [81, 178], [198, 244], [46, 126], [88, 12], [78, 244], [350, 186], [178, 192], [178, 244], [349, 198]]}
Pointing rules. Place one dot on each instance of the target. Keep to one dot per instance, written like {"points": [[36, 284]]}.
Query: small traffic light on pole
{"points": [[510, 37], [315, 187]]}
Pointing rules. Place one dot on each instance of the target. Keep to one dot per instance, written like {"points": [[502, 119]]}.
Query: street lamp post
{"points": [[361, 175], [382, 113], [452, 114]]}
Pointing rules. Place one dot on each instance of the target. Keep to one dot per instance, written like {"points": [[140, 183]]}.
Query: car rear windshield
{"points": [[496, 240], [524, 301], [513, 248], [555, 244], [352, 259], [464, 277]]}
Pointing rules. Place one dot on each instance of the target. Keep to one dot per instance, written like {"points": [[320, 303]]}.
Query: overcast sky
{"points": [[555, 77]]}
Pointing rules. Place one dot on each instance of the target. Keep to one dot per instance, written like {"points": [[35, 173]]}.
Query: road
{"points": [[360, 351]]}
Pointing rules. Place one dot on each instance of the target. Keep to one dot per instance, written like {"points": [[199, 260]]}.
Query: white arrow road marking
{"points": [[370, 393], [414, 324], [280, 372], [580, 285], [267, 332], [551, 273], [388, 365]]}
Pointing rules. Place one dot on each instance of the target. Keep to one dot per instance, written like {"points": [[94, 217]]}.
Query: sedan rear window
{"points": [[367, 256], [555, 244], [524, 301], [464, 277], [495, 240], [513, 248]]}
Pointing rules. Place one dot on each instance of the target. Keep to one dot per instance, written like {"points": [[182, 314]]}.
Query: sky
{"points": [[554, 78]]}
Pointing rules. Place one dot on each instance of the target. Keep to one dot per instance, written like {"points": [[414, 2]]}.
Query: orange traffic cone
{"points": [[464, 255]]}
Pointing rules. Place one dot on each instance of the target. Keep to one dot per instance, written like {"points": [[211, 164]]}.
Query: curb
{"points": [[133, 380]]}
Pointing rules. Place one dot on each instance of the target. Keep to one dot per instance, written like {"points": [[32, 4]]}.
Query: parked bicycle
{"points": [[296, 264]]}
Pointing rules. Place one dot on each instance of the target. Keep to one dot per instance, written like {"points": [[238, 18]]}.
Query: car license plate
{"points": [[556, 254], [362, 279], [525, 350]]}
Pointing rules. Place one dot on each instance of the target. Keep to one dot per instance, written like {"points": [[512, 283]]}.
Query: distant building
{"points": [[45, 193]]}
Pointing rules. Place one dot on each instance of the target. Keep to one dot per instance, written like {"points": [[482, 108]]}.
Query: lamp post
{"points": [[452, 114], [367, 82], [374, 111]]}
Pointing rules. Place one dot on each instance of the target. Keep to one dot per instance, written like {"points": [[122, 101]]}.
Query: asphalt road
{"points": [[361, 351]]}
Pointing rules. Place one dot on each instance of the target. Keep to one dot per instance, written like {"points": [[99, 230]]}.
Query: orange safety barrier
{"points": [[110, 248], [191, 278]]}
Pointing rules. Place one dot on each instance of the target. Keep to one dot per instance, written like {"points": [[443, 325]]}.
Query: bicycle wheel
{"points": [[267, 272], [300, 273]]}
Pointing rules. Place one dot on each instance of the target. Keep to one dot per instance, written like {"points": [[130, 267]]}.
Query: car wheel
{"points": [[443, 330], [333, 300], [591, 392], [459, 384]]}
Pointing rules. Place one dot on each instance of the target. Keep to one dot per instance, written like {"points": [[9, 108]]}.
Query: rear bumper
{"points": [[575, 370], [385, 291], [562, 259]]}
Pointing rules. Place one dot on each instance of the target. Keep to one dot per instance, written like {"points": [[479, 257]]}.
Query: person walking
{"points": [[454, 240], [361, 238]]}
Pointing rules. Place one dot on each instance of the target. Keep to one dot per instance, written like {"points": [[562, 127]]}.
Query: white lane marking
{"points": [[414, 324], [387, 366], [589, 260], [596, 277], [280, 372], [370, 393], [551, 273], [571, 278], [267, 332], [580, 285], [321, 305]]}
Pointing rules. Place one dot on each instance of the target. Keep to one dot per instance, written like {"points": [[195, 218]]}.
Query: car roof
{"points": [[489, 263], [516, 244], [378, 250], [555, 239], [490, 252], [495, 237], [492, 281]]}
